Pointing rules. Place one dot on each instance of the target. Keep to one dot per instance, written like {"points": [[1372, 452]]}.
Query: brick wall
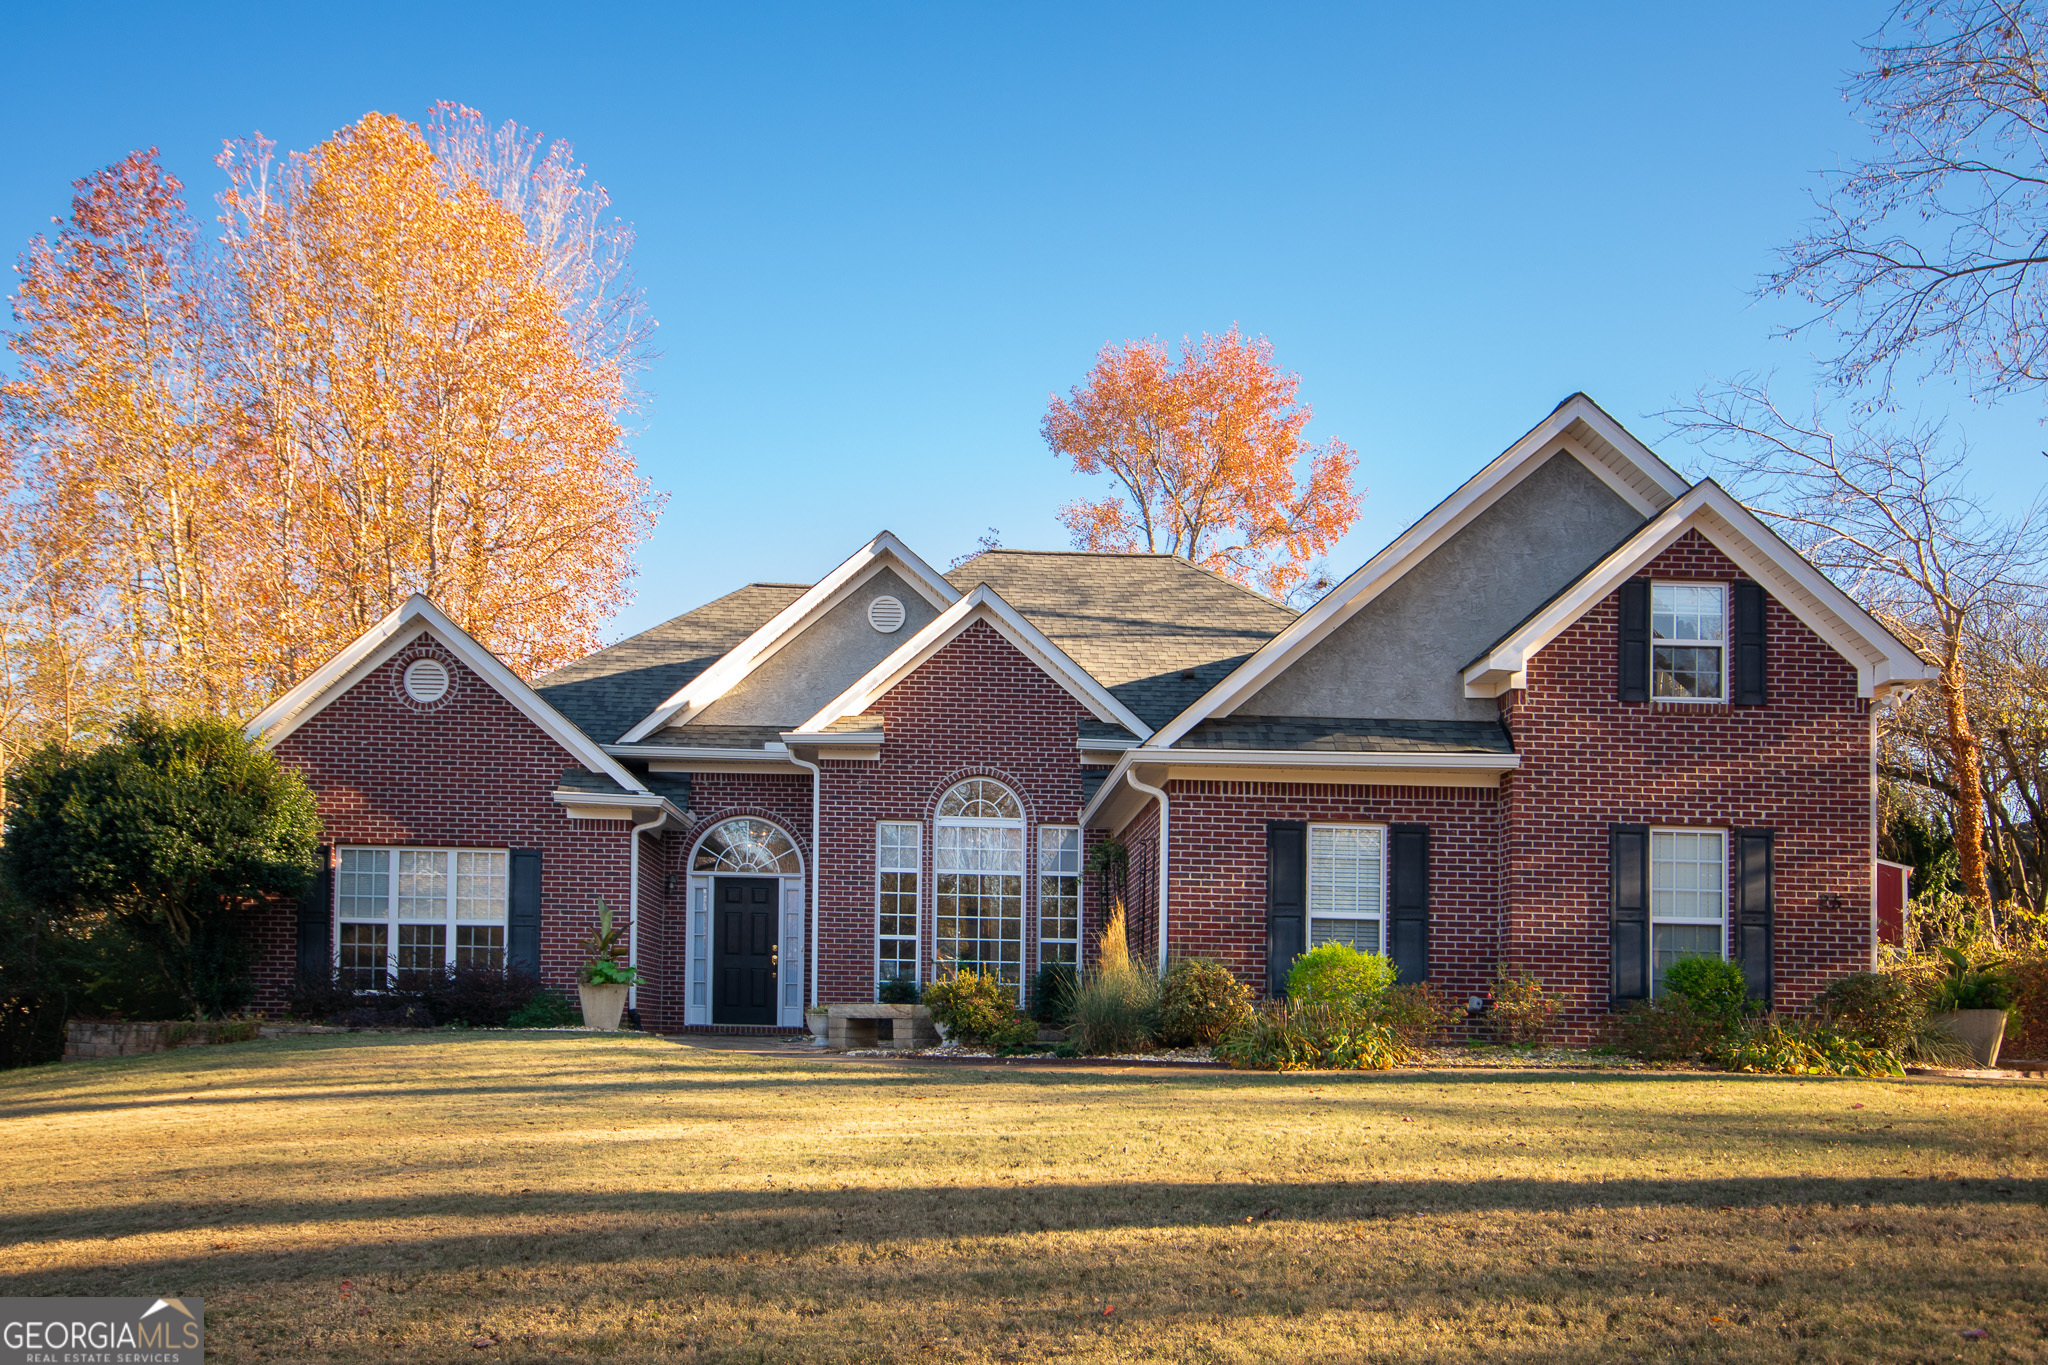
{"points": [[977, 708], [468, 771], [1799, 765], [1217, 902]]}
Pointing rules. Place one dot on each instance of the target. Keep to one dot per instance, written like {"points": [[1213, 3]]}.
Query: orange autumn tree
{"points": [[1206, 452], [419, 416]]}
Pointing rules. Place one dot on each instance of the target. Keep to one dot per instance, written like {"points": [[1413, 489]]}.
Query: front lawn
{"points": [[497, 1197]]}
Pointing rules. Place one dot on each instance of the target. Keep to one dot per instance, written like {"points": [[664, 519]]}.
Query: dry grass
{"points": [[572, 1197]]}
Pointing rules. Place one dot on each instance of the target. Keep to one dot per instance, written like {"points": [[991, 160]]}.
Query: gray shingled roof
{"points": [[717, 736], [1155, 630], [609, 692], [1350, 736]]}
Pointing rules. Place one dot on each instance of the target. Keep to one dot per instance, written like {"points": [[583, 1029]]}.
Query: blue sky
{"points": [[878, 236]]}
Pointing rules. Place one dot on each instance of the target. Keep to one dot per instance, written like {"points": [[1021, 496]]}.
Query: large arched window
{"points": [[745, 845], [978, 857]]}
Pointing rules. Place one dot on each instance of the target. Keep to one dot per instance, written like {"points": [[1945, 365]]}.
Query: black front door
{"points": [[745, 957]]}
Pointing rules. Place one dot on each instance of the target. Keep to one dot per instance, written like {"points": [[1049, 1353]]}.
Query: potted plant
{"points": [[604, 980], [1971, 1002], [818, 1019]]}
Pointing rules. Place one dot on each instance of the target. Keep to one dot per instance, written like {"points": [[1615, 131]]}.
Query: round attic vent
{"points": [[886, 615], [426, 681]]}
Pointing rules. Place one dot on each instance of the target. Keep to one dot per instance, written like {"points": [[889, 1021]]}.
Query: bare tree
{"points": [[1935, 246], [1887, 511]]}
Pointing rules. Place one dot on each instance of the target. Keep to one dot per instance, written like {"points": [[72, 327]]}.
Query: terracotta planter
{"points": [[1982, 1031], [602, 1005]]}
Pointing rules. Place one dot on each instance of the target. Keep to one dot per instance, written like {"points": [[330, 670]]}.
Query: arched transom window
{"points": [[978, 857], [745, 845]]}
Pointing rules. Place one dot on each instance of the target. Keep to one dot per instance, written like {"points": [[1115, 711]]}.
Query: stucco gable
{"points": [[1399, 656]]}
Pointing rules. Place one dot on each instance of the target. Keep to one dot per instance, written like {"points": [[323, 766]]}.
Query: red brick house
{"points": [[1582, 718]]}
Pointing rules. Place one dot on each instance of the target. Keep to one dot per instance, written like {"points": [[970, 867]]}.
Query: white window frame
{"points": [[1024, 873], [450, 897], [915, 829], [1720, 645], [1690, 921], [1377, 917], [1078, 879]]}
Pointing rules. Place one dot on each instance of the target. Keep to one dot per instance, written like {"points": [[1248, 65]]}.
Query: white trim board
{"points": [[885, 551], [1297, 765], [1881, 659], [377, 645], [1627, 466], [983, 604]]}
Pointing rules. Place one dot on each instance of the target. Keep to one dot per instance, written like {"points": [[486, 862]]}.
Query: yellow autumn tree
{"points": [[416, 414], [398, 370], [111, 430]]}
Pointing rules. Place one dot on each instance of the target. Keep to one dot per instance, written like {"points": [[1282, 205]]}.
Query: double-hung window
{"points": [[1688, 641], [898, 846], [1347, 886], [1688, 898], [1059, 896], [418, 911]]}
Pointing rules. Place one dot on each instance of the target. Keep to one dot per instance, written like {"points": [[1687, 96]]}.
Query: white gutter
{"points": [[1164, 843], [633, 900], [811, 902]]}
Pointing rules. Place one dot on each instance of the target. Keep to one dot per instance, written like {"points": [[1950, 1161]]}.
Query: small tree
{"points": [[174, 829]]}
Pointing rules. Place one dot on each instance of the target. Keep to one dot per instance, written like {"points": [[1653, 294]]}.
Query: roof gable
{"points": [[1881, 659], [1577, 426], [1156, 630], [982, 604], [375, 646], [607, 693], [885, 551]]}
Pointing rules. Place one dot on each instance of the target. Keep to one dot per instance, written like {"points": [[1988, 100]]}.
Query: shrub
{"points": [[2027, 1036], [1667, 1029], [1052, 991], [476, 997], [1198, 1001], [975, 1007], [1338, 974], [897, 990], [1316, 1036], [1715, 987], [1522, 1009], [1418, 1012], [1874, 1008], [1776, 1046], [1114, 1011], [545, 1008]]}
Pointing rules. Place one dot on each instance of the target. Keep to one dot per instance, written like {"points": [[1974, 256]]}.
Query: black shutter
{"points": [[1408, 907], [1632, 651], [1286, 900], [316, 921], [1753, 891], [522, 912], [1628, 913], [1749, 643]]}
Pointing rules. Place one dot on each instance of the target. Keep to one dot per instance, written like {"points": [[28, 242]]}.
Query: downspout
{"points": [[1164, 844], [812, 907], [633, 901]]}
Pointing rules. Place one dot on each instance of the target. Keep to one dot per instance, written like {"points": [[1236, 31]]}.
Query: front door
{"points": [[744, 963]]}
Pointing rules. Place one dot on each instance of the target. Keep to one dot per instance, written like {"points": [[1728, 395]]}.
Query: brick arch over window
{"points": [[1017, 787]]}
